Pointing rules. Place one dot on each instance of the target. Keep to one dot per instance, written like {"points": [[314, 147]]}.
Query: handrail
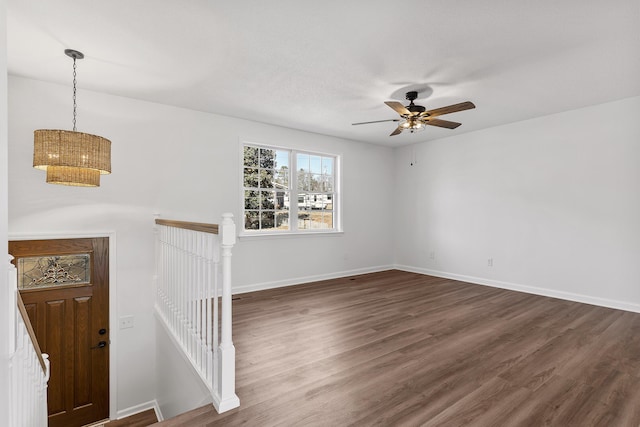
{"points": [[32, 334], [195, 226]]}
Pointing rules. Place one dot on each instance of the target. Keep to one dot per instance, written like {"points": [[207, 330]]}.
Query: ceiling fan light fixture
{"points": [[412, 125]]}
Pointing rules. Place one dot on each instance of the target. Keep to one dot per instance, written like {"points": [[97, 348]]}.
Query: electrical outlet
{"points": [[126, 322], [432, 255], [490, 262]]}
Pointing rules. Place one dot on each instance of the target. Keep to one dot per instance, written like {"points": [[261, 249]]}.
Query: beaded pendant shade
{"points": [[71, 157]]}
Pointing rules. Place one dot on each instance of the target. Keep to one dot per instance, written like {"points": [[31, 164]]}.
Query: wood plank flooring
{"points": [[142, 419], [403, 349]]}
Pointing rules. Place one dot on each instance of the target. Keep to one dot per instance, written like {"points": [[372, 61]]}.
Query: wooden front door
{"points": [[64, 284]]}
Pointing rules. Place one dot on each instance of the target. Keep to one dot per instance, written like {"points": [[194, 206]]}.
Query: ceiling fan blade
{"points": [[441, 123], [450, 109], [398, 108], [398, 131], [375, 121]]}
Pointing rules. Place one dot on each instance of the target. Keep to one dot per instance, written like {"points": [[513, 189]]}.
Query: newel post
{"points": [[226, 351]]}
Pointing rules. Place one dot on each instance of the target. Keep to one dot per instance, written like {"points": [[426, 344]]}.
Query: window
{"points": [[288, 191]]}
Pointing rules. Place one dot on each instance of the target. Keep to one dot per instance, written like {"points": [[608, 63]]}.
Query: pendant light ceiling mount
{"points": [[74, 54], [71, 157]]}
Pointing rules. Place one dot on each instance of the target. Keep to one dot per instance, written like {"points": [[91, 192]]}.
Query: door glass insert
{"points": [[50, 271]]}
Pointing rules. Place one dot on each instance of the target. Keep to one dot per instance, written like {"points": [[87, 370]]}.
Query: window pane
{"points": [[282, 220], [267, 158], [267, 199], [303, 162], [267, 220], [281, 178], [327, 165], [281, 197], [282, 159], [329, 205], [303, 181], [251, 220], [251, 156], [315, 164], [315, 183], [327, 184], [304, 202], [321, 220], [251, 199], [266, 178], [250, 177], [304, 219]]}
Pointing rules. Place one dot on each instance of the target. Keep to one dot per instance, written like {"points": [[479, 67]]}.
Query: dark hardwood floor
{"points": [[142, 419], [403, 349]]}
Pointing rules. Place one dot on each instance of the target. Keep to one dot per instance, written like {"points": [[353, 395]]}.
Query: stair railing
{"points": [[29, 369]]}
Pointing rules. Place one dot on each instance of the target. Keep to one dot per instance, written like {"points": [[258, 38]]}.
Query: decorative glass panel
{"points": [[49, 271]]}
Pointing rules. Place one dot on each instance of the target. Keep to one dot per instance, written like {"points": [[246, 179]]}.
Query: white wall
{"points": [[180, 388], [184, 165], [6, 300], [555, 201]]}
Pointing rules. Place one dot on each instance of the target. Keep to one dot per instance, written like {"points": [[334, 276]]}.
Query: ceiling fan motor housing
{"points": [[412, 96], [413, 108]]}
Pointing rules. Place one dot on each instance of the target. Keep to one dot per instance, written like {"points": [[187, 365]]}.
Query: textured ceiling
{"points": [[320, 66]]}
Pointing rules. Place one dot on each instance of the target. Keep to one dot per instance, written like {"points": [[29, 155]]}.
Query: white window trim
{"points": [[293, 182]]}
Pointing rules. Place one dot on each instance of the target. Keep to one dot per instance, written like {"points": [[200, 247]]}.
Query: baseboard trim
{"points": [[133, 410], [308, 279], [586, 299]]}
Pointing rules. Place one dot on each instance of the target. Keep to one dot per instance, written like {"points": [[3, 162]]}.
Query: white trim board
{"points": [[113, 312], [585, 299], [307, 279], [152, 404]]}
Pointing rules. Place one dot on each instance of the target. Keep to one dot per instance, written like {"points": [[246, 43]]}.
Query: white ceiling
{"points": [[321, 65]]}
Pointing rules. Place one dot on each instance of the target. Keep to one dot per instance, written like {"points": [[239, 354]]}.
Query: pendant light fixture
{"points": [[71, 157]]}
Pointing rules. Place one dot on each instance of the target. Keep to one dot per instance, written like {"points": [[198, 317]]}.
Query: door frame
{"points": [[113, 313]]}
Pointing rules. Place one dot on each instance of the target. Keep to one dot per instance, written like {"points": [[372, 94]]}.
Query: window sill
{"points": [[287, 235]]}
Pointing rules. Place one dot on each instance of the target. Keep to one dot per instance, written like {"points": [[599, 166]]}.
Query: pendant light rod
{"points": [[74, 54]]}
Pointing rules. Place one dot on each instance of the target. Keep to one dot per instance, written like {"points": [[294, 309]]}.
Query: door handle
{"points": [[101, 344]]}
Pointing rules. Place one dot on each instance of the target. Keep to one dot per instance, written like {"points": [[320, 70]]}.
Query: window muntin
{"points": [[269, 186]]}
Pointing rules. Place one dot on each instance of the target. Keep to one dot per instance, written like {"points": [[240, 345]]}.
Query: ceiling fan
{"points": [[415, 117]]}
